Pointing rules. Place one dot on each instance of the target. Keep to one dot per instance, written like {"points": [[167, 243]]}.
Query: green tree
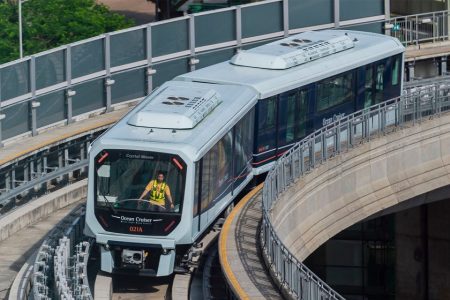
{"points": [[51, 23]]}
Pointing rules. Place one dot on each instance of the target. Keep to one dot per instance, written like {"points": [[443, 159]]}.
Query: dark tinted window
{"points": [[334, 91]]}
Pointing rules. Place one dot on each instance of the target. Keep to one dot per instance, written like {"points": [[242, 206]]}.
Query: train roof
{"points": [[181, 114], [298, 60]]}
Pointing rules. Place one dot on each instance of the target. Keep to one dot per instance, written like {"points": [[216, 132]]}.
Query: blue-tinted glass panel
{"points": [[52, 109], [262, 19], [89, 96], [374, 27], [87, 58], [50, 69], [307, 13], [170, 37], [129, 85], [355, 9], [215, 28], [128, 47], [167, 71], [214, 57], [16, 120], [257, 44], [14, 80]]}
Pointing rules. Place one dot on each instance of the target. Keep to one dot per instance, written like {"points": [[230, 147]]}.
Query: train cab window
{"points": [[395, 72], [139, 181], [334, 91]]}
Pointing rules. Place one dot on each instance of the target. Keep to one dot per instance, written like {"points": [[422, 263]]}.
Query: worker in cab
{"points": [[159, 191]]}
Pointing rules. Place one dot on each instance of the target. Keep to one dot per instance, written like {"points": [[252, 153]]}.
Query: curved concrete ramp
{"points": [[354, 185]]}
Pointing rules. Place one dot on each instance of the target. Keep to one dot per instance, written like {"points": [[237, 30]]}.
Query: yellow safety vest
{"points": [[158, 194]]}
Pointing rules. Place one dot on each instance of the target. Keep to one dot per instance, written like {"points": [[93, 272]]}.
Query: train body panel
{"points": [[208, 132]]}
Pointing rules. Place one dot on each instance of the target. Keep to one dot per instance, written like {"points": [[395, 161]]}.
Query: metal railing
{"points": [[58, 85], [420, 28], [340, 136], [60, 268], [47, 170]]}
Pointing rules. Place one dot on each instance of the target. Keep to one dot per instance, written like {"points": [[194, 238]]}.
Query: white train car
{"points": [[210, 131]]}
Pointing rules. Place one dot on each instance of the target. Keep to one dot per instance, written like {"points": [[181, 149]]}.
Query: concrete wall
{"points": [[364, 181], [41, 208]]}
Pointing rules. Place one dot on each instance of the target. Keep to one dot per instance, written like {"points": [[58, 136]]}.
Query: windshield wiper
{"points": [[110, 205]]}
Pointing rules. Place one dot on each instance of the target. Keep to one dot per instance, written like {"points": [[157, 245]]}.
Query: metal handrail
{"points": [[326, 143], [425, 27]]}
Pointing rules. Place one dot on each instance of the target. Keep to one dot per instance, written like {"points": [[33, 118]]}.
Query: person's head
{"points": [[160, 176]]}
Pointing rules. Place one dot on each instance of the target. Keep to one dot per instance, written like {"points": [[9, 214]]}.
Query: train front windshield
{"points": [[138, 181]]}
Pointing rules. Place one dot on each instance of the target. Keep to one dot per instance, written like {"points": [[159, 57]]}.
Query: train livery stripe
{"points": [[232, 280]]}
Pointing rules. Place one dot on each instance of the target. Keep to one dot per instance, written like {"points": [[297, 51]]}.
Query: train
{"points": [[162, 175]]}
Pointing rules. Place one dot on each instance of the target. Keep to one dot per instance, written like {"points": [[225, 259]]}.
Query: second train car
{"points": [[207, 133]]}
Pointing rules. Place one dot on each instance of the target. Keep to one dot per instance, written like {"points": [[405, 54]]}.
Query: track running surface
{"points": [[141, 288]]}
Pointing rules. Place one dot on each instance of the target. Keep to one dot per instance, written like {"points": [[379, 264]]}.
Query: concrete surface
{"points": [[368, 179], [240, 251], [18, 219]]}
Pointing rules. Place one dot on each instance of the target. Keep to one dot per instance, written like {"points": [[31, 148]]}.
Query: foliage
{"points": [[51, 23]]}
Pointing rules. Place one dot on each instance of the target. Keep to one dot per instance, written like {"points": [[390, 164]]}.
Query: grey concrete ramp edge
{"points": [[368, 179], [103, 287], [242, 266], [44, 206], [22, 281]]}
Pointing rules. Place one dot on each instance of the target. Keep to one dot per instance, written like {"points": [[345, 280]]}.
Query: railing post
{"points": [[286, 17], [192, 61], [238, 27], [150, 72], [108, 81]]}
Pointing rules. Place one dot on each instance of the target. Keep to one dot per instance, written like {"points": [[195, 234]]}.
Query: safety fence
{"points": [[341, 136], [59, 85], [60, 268], [420, 28], [44, 171]]}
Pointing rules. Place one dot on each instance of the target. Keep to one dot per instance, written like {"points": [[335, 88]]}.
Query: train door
{"points": [[293, 117], [265, 131]]}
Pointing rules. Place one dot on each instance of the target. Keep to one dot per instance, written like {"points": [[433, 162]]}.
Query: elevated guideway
{"points": [[352, 169]]}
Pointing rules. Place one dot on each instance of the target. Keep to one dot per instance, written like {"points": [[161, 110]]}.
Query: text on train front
{"points": [[139, 192]]}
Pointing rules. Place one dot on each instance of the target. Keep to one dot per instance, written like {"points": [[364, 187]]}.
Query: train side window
{"points": [[379, 83], [368, 86], [196, 189], [301, 121], [266, 124], [243, 147], [207, 178], [395, 72], [334, 91]]}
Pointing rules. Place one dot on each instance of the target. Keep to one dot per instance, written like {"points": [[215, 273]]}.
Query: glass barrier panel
{"points": [[17, 120], [129, 85], [215, 28], [262, 19], [214, 57], [15, 80], [128, 47], [50, 69], [87, 58], [89, 96], [175, 36], [168, 70], [374, 27], [355, 9], [52, 109], [307, 13]]}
